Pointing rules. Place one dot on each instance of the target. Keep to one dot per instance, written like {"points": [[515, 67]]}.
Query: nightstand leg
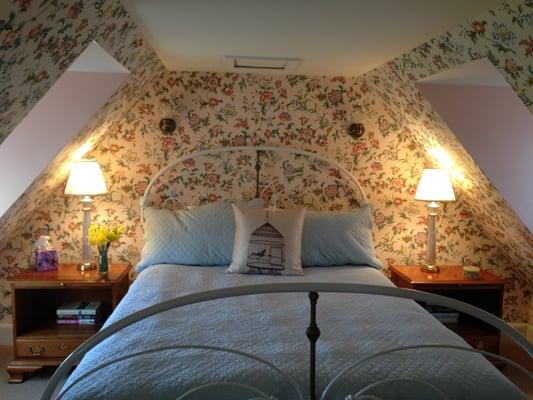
{"points": [[16, 372]]}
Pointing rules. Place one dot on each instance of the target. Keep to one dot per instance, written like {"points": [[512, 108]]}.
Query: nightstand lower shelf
{"points": [[479, 337], [54, 330], [38, 340], [485, 293]]}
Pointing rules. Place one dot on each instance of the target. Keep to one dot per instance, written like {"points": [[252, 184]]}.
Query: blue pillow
{"points": [[199, 236], [339, 238]]}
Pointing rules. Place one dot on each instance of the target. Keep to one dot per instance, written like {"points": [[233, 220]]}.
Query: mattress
{"points": [[273, 327]]}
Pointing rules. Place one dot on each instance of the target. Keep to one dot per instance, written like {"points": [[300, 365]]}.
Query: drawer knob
{"points": [[62, 284], [63, 346], [38, 352], [480, 345]]}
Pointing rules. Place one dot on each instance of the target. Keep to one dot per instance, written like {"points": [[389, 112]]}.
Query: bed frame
{"points": [[312, 332], [258, 152]]}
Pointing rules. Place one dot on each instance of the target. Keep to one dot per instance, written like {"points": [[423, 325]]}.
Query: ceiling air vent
{"points": [[257, 64]]}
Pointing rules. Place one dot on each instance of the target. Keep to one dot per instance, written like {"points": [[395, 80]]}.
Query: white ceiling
{"points": [[332, 37], [479, 73]]}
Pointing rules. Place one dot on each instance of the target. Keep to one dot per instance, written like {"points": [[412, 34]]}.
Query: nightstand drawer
{"points": [[46, 347], [490, 343]]}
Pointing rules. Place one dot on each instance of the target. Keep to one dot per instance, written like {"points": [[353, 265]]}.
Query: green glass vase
{"points": [[103, 261]]}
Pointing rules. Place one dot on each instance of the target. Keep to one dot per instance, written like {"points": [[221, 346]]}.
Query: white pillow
{"points": [[267, 241]]}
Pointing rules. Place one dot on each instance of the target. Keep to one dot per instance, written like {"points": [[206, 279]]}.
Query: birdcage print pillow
{"points": [[267, 241]]}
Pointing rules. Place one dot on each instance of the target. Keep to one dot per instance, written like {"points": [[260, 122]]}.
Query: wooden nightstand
{"points": [[37, 339], [485, 293]]}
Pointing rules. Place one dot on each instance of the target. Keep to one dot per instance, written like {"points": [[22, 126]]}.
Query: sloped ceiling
{"points": [[45, 38], [47, 47], [480, 72], [403, 130], [96, 59], [485, 114], [56, 119]]}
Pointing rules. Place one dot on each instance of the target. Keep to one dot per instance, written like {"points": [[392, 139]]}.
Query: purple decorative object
{"points": [[45, 260]]}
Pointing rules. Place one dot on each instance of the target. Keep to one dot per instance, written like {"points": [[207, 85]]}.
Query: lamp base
{"points": [[430, 268], [86, 266]]}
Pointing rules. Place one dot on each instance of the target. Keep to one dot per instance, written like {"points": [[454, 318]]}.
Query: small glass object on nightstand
{"points": [[471, 272]]}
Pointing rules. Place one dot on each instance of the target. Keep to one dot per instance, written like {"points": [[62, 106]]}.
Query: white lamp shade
{"points": [[435, 185], [85, 179]]}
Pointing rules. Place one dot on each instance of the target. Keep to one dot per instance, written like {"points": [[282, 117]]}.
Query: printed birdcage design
{"points": [[266, 250]]}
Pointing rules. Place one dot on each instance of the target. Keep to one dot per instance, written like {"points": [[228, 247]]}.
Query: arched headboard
{"points": [[282, 176]]}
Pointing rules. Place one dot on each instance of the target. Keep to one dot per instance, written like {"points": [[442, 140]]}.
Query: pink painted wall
{"points": [[497, 130], [60, 115]]}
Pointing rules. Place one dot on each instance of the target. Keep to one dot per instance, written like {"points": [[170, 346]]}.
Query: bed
{"points": [[251, 343]]}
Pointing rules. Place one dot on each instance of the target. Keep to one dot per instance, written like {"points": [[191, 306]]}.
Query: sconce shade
{"points": [[435, 185], [85, 179]]}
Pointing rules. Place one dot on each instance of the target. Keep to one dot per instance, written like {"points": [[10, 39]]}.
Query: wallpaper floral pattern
{"points": [[40, 39], [104, 21], [32, 37], [309, 113], [305, 181]]}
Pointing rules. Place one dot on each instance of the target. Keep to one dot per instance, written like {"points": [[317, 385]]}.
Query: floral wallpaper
{"points": [[39, 39], [115, 31], [42, 38], [403, 135], [304, 181]]}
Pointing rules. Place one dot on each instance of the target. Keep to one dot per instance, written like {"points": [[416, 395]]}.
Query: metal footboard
{"points": [[312, 333]]}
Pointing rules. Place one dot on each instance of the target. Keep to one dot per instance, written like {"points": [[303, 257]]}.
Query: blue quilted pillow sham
{"points": [[199, 236], [339, 238]]}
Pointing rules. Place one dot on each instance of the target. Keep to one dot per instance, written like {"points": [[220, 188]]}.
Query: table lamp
{"points": [[435, 185], [86, 179]]}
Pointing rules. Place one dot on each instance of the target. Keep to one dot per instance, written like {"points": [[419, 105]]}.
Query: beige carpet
{"points": [[30, 389]]}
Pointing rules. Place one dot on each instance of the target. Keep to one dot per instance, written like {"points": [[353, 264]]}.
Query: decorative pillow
{"points": [[267, 242], [199, 236], [339, 238]]}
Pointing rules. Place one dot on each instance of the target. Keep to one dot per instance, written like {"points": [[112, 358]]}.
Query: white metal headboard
{"points": [[146, 197]]}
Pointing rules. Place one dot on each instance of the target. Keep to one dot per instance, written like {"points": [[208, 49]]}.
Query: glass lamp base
{"points": [[86, 266], [430, 268]]}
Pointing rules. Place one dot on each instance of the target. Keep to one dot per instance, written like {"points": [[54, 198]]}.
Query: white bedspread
{"points": [[273, 327]]}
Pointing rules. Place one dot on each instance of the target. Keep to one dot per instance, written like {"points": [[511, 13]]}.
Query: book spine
{"points": [[78, 317], [91, 309], [68, 312], [87, 321], [445, 314], [88, 316], [76, 321], [73, 315], [67, 316], [67, 321]]}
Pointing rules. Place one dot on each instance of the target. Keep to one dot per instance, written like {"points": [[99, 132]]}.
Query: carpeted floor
{"points": [[30, 389]]}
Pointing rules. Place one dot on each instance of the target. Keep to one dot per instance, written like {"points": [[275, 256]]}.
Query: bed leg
{"points": [[313, 333]]}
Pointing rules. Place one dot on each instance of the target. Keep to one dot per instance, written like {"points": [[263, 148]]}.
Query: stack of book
{"points": [[444, 314], [79, 313]]}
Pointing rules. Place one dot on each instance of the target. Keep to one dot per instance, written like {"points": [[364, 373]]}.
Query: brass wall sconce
{"points": [[356, 130], [167, 125]]}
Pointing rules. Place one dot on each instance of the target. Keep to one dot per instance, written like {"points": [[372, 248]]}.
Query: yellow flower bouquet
{"points": [[102, 236]]}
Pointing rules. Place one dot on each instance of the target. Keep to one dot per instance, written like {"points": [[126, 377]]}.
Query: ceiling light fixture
{"points": [[272, 64]]}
